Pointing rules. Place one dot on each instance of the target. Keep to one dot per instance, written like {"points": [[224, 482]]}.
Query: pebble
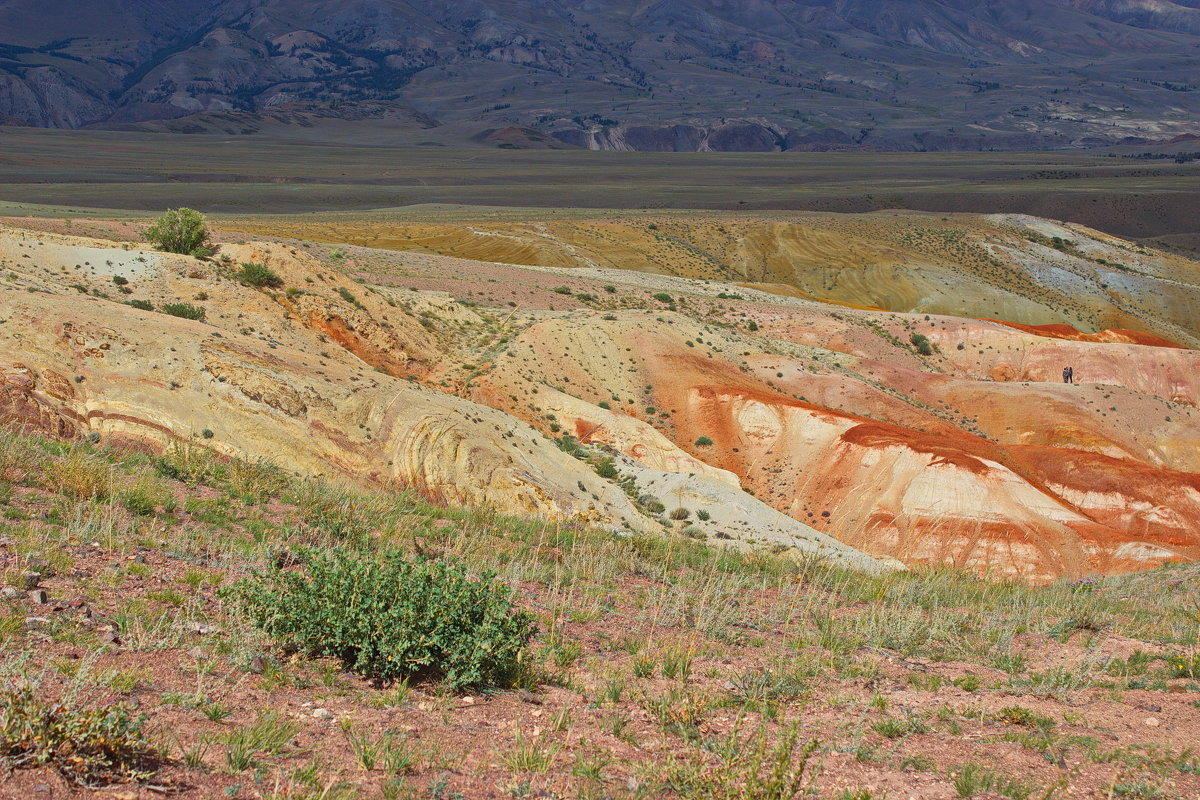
{"points": [[38, 597], [10, 592], [322, 713], [1151, 722]]}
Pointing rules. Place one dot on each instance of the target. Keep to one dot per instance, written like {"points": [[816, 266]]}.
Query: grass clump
{"points": [[751, 767], [394, 618], [89, 747], [973, 779]]}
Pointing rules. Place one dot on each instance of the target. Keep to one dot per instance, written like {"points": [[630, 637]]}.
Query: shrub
{"points": [[181, 230], [88, 747], [258, 275], [663, 297], [680, 513], [704, 441], [184, 310], [920, 342], [394, 618], [120, 280], [562, 290], [605, 468], [144, 305]]}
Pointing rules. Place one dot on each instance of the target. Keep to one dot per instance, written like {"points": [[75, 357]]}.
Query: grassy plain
{"points": [[252, 175]]}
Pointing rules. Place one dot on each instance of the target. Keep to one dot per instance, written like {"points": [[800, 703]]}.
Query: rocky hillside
{"points": [[670, 75], [705, 405]]}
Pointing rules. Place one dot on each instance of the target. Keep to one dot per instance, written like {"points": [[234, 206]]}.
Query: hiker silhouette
{"points": [[1068, 374]]}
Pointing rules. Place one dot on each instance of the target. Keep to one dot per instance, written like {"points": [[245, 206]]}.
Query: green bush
{"points": [[88, 747], [258, 275], [703, 441], [181, 230], [144, 305], [185, 310], [920, 342], [663, 297], [606, 469], [394, 618]]}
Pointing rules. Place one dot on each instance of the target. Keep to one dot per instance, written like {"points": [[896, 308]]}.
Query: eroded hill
{"points": [[690, 401]]}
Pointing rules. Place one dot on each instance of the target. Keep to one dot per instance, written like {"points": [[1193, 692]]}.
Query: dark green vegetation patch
{"points": [[394, 618]]}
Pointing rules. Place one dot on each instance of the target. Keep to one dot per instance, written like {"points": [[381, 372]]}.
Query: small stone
{"points": [[42, 788], [322, 713], [108, 636], [35, 623], [529, 697], [139, 559], [40, 566], [30, 579], [197, 653], [38, 597], [1151, 722], [10, 592], [468, 701], [257, 665]]}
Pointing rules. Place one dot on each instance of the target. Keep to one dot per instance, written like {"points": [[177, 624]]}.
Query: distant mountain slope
{"points": [[619, 74]]}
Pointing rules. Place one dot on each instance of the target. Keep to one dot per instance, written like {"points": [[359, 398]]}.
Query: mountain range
{"points": [[750, 75]]}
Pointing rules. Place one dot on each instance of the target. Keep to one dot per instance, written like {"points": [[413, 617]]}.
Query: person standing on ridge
{"points": [[1066, 374]]}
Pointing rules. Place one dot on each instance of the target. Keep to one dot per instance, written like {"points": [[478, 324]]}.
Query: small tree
{"points": [[181, 230]]}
